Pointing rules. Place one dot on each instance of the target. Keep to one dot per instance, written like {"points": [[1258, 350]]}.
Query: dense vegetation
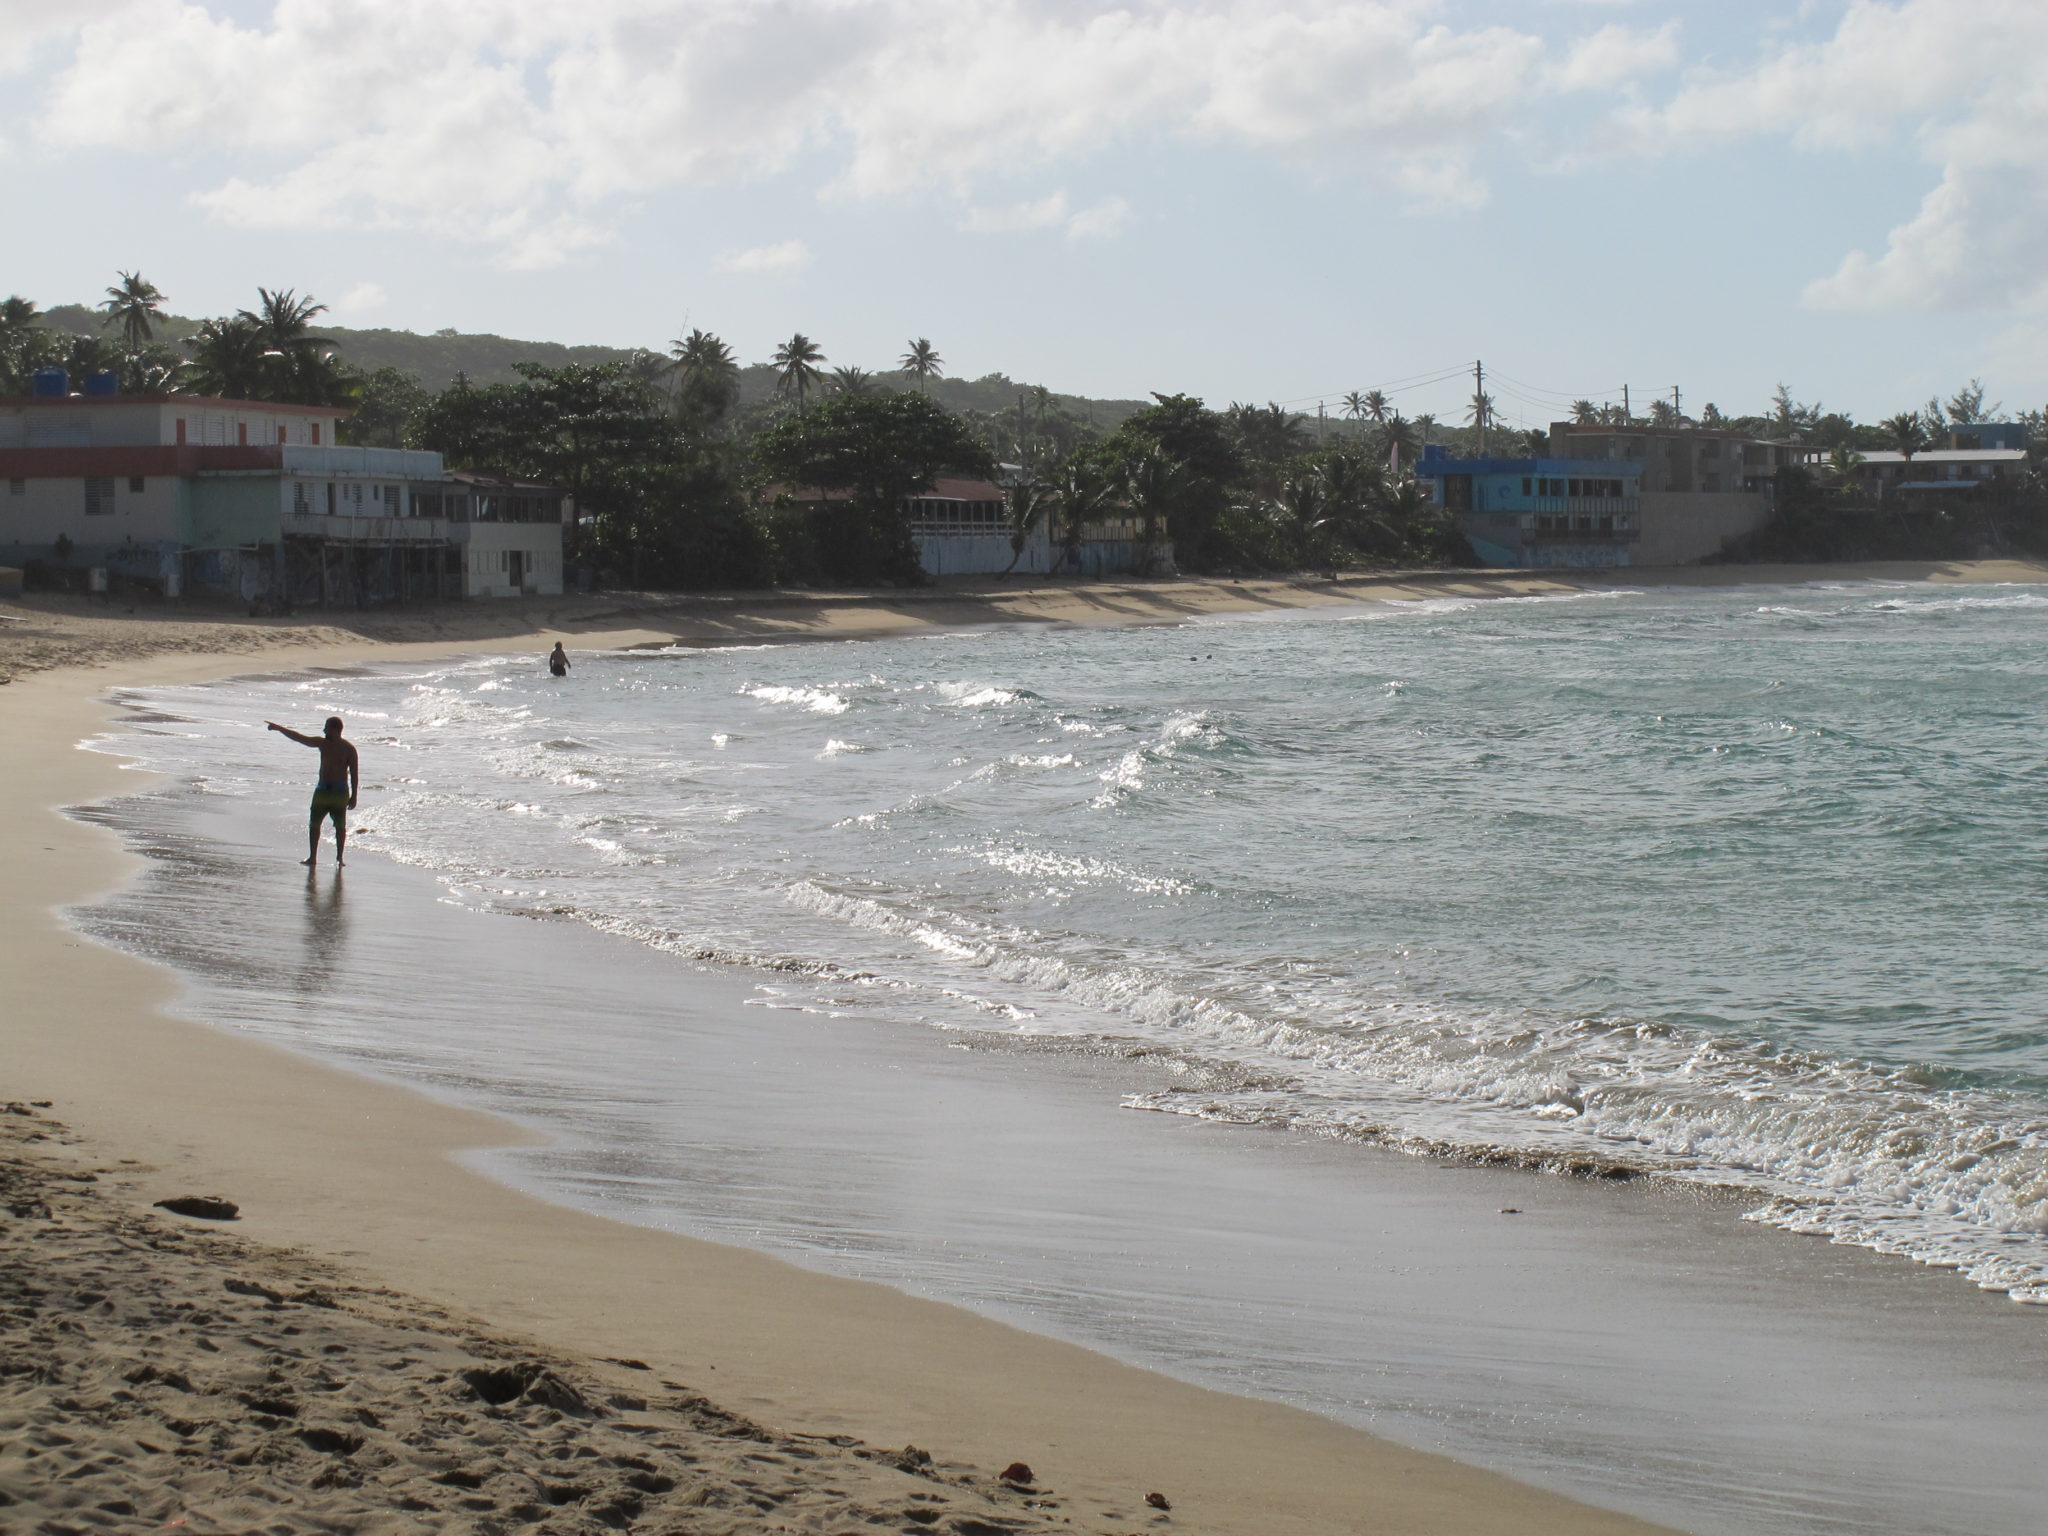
{"points": [[691, 469]]}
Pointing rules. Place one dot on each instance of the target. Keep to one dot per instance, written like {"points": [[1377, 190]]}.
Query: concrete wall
{"points": [[982, 554], [233, 510], [487, 571], [1683, 529], [33, 512]]}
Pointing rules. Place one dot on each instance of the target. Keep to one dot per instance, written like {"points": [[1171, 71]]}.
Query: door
{"points": [[515, 564]]}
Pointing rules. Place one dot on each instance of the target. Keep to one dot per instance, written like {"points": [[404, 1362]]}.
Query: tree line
{"points": [[679, 483]]}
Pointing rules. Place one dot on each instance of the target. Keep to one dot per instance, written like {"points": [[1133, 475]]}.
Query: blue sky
{"points": [[1243, 199]]}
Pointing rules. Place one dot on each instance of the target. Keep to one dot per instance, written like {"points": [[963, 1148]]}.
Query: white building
{"points": [[255, 500]]}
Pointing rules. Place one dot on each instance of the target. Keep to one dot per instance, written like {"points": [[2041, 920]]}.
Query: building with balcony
{"points": [[1701, 488], [256, 501], [1546, 512]]}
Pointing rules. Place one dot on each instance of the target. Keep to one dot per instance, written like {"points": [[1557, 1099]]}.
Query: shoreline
{"points": [[364, 1174], [369, 1176], [46, 632]]}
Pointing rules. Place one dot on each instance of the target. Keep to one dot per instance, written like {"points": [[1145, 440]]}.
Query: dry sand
{"points": [[349, 1188]]}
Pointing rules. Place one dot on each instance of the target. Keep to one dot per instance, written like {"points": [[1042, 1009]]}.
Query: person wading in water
{"points": [[558, 661], [334, 792]]}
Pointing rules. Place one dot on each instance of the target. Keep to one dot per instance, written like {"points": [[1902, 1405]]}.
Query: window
{"points": [[135, 484], [241, 434], [330, 498], [1526, 483], [99, 497], [302, 499], [17, 487], [280, 434], [316, 434], [181, 431], [391, 501]]}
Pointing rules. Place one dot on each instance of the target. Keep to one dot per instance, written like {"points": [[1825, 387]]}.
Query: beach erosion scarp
{"points": [[363, 1175]]}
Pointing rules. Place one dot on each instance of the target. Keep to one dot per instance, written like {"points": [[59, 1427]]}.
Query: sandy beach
{"points": [[447, 1345]]}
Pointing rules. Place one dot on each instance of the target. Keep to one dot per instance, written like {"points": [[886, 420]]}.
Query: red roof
{"points": [[132, 459], [949, 488], [73, 401]]}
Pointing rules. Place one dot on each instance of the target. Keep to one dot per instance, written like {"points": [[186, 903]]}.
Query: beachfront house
{"points": [[961, 527], [1541, 512], [1979, 459], [1702, 488], [256, 501]]}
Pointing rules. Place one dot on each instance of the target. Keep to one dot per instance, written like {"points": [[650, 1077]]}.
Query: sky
{"points": [[1240, 199]]}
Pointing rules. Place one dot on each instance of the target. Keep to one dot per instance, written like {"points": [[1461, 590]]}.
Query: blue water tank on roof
{"points": [[105, 382], [49, 384]]}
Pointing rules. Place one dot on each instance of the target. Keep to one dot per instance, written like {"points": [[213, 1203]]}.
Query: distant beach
{"points": [[372, 1183]]}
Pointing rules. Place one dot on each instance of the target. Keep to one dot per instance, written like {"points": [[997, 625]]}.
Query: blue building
{"points": [[2006, 435], [1540, 512]]}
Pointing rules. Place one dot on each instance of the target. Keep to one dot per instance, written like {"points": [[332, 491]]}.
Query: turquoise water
{"points": [[1736, 886]]}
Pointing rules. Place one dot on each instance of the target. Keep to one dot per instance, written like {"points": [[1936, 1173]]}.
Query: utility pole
{"points": [[1479, 403], [1627, 415], [1677, 412], [1319, 423]]}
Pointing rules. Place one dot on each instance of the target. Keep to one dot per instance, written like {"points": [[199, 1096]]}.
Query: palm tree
{"points": [[1082, 494], [796, 364], [1354, 406], [1402, 505], [24, 345], [707, 377], [1399, 437], [922, 362], [1585, 413], [228, 358], [1302, 502], [1026, 504], [1907, 436], [1349, 484], [1479, 412], [299, 368], [135, 302], [1663, 414], [853, 381], [284, 320], [1376, 405], [1842, 461], [1156, 485], [1425, 424]]}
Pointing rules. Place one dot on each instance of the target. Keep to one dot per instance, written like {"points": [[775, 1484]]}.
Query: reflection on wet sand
{"points": [[326, 938]]}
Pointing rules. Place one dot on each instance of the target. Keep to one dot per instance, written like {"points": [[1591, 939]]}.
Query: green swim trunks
{"points": [[330, 800]]}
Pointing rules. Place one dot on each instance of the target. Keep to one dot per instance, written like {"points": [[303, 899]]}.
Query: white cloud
{"points": [[789, 256], [362, 298], [1045, 213], [26, 25], [1958, 80], [1104, 221], [522, 125], [1617, 54], [1099, 221]]}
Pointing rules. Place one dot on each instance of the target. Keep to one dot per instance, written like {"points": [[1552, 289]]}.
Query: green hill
{"points": [[436, 360]]}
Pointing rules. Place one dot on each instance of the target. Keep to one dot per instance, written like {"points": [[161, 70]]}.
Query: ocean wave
{"points": [[819, 701]]}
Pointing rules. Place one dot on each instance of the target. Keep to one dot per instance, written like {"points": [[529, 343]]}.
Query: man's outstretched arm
{"points": [[285, 730], [355, 774]]}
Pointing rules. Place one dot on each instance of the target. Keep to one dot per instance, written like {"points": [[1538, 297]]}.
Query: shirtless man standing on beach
{"points": [[334, 793]]}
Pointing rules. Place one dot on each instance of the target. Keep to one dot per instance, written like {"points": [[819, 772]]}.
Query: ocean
{"points": [[1725, 901]]}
